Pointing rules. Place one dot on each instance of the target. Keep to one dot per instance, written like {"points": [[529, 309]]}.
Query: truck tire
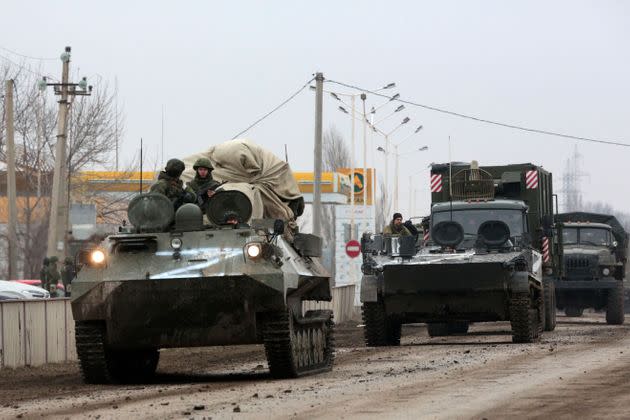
{"points": [[550, 304], [525, 318], [380, 329], [573, 311], [614, 305]]}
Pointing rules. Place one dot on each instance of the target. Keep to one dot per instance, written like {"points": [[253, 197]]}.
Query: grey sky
{"points": [[217, 66]]}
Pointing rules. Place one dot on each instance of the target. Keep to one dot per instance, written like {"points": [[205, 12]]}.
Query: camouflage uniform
{"points": [[53, 275], [392, 229], [67, 274], [200, 185], [171, 186], [43, 274]]}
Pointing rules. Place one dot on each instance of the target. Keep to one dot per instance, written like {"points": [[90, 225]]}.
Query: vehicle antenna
{"points": [[140, 165]]}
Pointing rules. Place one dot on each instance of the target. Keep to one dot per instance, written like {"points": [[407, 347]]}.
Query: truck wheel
{"points": [[380, 330], [614, 305], [573, 311], [525, 318], [550, 304]]}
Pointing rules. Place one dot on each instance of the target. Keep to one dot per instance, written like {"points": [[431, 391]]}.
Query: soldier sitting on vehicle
{"points": [[396, 227], [171, 186], [203, 184]]}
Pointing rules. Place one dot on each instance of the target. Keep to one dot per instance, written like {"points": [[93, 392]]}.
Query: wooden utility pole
{"points": [[11, 184], [317, 187]]}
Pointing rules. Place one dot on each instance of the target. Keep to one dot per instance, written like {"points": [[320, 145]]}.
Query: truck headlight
{"points": [[606, 271], [97, 257]]}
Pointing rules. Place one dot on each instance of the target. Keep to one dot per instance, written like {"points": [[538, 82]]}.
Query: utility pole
{"points": [[11, 184], [352, 170], [396, 178], [317, 187], [58, 223], [365, 175]]}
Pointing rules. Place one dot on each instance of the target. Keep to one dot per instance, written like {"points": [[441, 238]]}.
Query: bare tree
{"points": [[92, 133], [336, 152]]}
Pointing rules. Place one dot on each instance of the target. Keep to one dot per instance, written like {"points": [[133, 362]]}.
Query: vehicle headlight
{"points": [[253, 250], [176, 243], [606, 271], [97, 257]]}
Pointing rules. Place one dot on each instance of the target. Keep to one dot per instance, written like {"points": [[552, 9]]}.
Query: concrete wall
{"points": [[36, 332]]}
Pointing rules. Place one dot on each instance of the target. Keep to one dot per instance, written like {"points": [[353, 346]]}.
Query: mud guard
{"points": [[519, 282], [369, 288]]}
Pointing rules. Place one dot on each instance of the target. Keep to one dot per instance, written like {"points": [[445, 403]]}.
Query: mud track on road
{"points": [[578, 370]]}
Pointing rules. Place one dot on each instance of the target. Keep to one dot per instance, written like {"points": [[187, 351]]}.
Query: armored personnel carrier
{"points": [[594, 258], [177, 279], [490, 257]]}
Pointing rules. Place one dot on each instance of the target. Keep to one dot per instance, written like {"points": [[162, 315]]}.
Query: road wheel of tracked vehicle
{"points": [[550, 304], [573, 311], [526, 315], [614, 305], [101, 365], [296, 347], [380, 330]]}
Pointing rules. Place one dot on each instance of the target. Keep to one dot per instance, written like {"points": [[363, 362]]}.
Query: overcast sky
{"points": [[216, 67]]}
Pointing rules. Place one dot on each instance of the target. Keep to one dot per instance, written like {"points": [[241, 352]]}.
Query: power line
{"points": [[483, 120], [28, 56], [28, 69], [275, 109]]}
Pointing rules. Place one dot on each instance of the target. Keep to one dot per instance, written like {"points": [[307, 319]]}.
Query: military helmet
{"points": [[46, 260], [68, 260], [203, 163], [53, 259], [174, 167]]}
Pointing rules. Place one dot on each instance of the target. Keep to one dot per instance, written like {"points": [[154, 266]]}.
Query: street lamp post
{"points": [[412, 191]]}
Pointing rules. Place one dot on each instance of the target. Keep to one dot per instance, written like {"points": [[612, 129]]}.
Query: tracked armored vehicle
{"points": [[177, 279], [490, 257], [594, 259]]}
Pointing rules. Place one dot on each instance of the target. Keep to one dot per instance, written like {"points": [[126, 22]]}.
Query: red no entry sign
{"points": [[353, 248]]}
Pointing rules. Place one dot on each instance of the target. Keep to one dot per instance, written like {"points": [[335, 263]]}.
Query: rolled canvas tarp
{"points": [[242, 161]]}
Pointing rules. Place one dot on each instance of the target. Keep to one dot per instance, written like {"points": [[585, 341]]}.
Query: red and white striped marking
{"points": [[436, 183], [426, 237], [545, 249], [531, 179]]}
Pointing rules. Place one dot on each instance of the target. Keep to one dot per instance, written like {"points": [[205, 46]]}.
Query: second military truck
{"points": [[594, 247], [491, 257]]}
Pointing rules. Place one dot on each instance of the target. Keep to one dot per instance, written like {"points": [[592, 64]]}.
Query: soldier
{"points": [[43, 274], [68, 273], [53, 274], [396, 227], [203, 184], [171, 186]]}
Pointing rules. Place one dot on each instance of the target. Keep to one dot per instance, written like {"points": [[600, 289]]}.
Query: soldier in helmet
{"points": [[203, 184], [68, 273], [171, 186]]}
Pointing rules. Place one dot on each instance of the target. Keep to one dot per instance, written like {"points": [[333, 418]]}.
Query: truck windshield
{"points": [[471, 219], [586, 236]]}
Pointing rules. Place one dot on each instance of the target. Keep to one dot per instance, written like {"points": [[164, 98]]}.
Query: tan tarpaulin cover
{"points": [[245, 161]]}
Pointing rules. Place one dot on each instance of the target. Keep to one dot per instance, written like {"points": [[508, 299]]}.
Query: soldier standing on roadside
{"points": [[53, 275], [171, 186], [68, 273], [43, 274]]}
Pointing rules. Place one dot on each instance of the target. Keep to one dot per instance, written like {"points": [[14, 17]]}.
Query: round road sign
{"points": [[353, 248]]}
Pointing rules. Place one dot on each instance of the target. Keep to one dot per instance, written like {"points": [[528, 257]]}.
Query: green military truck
{"points": [[594, 260], [491, 256]]}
